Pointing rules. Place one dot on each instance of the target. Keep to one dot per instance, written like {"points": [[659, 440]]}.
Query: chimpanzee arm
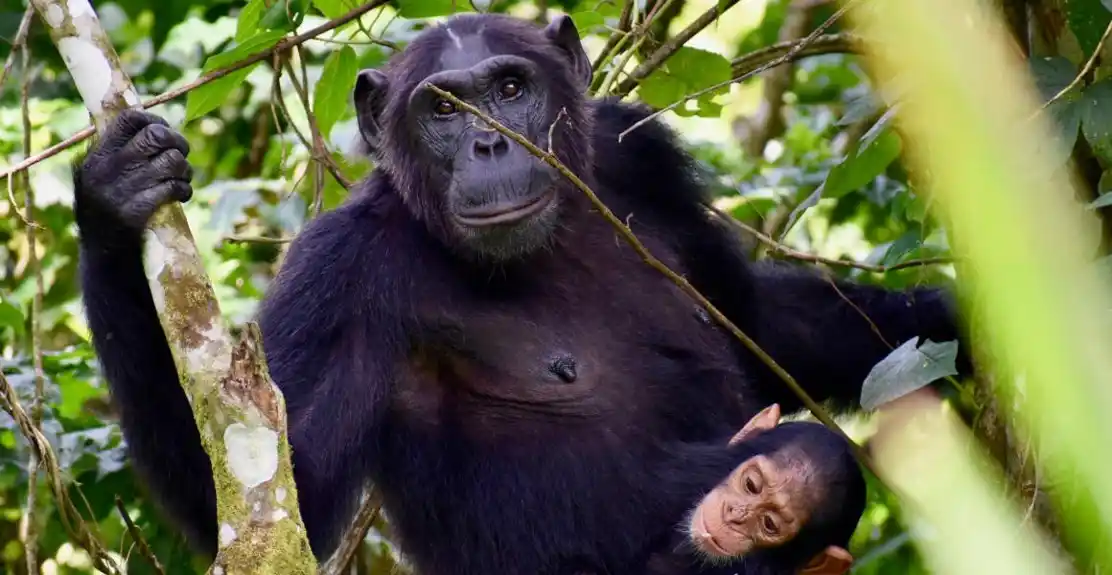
{"points": [[138, 165], [829, 338], [327, 362]]}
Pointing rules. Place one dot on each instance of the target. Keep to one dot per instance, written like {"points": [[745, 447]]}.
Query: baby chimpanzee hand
{"points": [[137, 167]]}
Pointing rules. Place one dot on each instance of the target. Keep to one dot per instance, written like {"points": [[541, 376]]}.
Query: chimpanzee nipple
{"points": [[563, 366]]}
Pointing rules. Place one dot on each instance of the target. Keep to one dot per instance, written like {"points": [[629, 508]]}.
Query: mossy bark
{"points": [[240, 413]]}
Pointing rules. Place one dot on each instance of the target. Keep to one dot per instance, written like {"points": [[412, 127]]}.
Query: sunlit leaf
{"points": [[332, 93], [208, 97], [431, 8], [334, 8], [586, 20], [906, 369], [689, 70], [247, 24], [11, 316]]}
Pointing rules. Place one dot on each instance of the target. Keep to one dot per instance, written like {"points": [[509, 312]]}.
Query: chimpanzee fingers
{"points": [[142, 205], [170, 165], [123, 129], [151, 141]]}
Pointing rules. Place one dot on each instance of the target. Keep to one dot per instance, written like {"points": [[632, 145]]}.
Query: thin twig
{"points": [[843, 42], [282, 45], [795, 254], [670, 47], [256, 239], [781, 60], [640, 34], [137, 537], [658, 265], [18, 43], [612, 42], [72, 520], [29, 532], [1088, 67], [356, 533]]}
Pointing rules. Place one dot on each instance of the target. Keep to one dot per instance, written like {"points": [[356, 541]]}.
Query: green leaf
{"points": [[209, 96], [689, 70], [11, 316], [1087, 20], [431, 8], [333, 91], [876, 150], [1103, 201], [284, 15], [1104, 188], [858, 109], [907, 369], [1051, 74], [586, 20], [248, 22], [259, 42], [1096, 118], [334, 8]]}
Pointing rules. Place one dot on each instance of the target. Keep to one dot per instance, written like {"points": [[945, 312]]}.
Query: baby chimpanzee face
{"points": [[799, 499]]}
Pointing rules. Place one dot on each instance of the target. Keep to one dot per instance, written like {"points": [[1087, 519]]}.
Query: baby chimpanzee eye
{"points": [[769, 524], [751, 486]]}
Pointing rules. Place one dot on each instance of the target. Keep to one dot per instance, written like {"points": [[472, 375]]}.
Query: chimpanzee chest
{"points": [[577, 355]]}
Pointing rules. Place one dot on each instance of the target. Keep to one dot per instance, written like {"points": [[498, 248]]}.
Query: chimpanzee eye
{"points": [[769, 525], [444, 107], [751, 486], [510, 89]]}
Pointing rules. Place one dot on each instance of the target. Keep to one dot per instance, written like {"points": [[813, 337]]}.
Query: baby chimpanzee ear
{"points": [[830, 561], [763, 421], [370, 97]]}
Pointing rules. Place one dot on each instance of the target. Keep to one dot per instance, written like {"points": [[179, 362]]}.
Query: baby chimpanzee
{"points": [[789, 508]]}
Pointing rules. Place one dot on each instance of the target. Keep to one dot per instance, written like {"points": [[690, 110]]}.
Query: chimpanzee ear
{"points": [[562, 32], [763, 421], [370, 98], [830, 561]]}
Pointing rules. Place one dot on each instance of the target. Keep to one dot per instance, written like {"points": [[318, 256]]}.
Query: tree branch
{"points": [[282, 45], [671, 46], [795, 254], [137, 536], [29, 528], [240, 413], [778, 61], [72, 520], [356, 533]]}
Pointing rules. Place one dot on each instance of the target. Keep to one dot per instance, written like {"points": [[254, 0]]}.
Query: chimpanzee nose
{"points": [[734, 513], [491, 146]]}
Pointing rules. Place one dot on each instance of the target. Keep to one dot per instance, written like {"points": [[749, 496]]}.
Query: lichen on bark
{"points": [[239, 411]]}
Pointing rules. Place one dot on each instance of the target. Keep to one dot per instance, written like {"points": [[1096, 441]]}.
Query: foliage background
{"points": [[805, 154]]}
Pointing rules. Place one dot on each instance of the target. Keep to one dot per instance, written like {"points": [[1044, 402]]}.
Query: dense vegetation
{"points": [[805, 154]]}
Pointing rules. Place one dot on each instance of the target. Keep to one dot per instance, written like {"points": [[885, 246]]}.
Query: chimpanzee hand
{"points": [[138, 166]]}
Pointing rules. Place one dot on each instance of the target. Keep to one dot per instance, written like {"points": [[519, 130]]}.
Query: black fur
{"points": [[429, 373]]}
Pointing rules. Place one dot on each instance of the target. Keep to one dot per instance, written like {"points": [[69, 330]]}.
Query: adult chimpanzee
{"points": [[773, 500], [466, 332]]}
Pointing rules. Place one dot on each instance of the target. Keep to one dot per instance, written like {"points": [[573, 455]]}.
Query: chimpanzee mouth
{"points": [[503, 213]]}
